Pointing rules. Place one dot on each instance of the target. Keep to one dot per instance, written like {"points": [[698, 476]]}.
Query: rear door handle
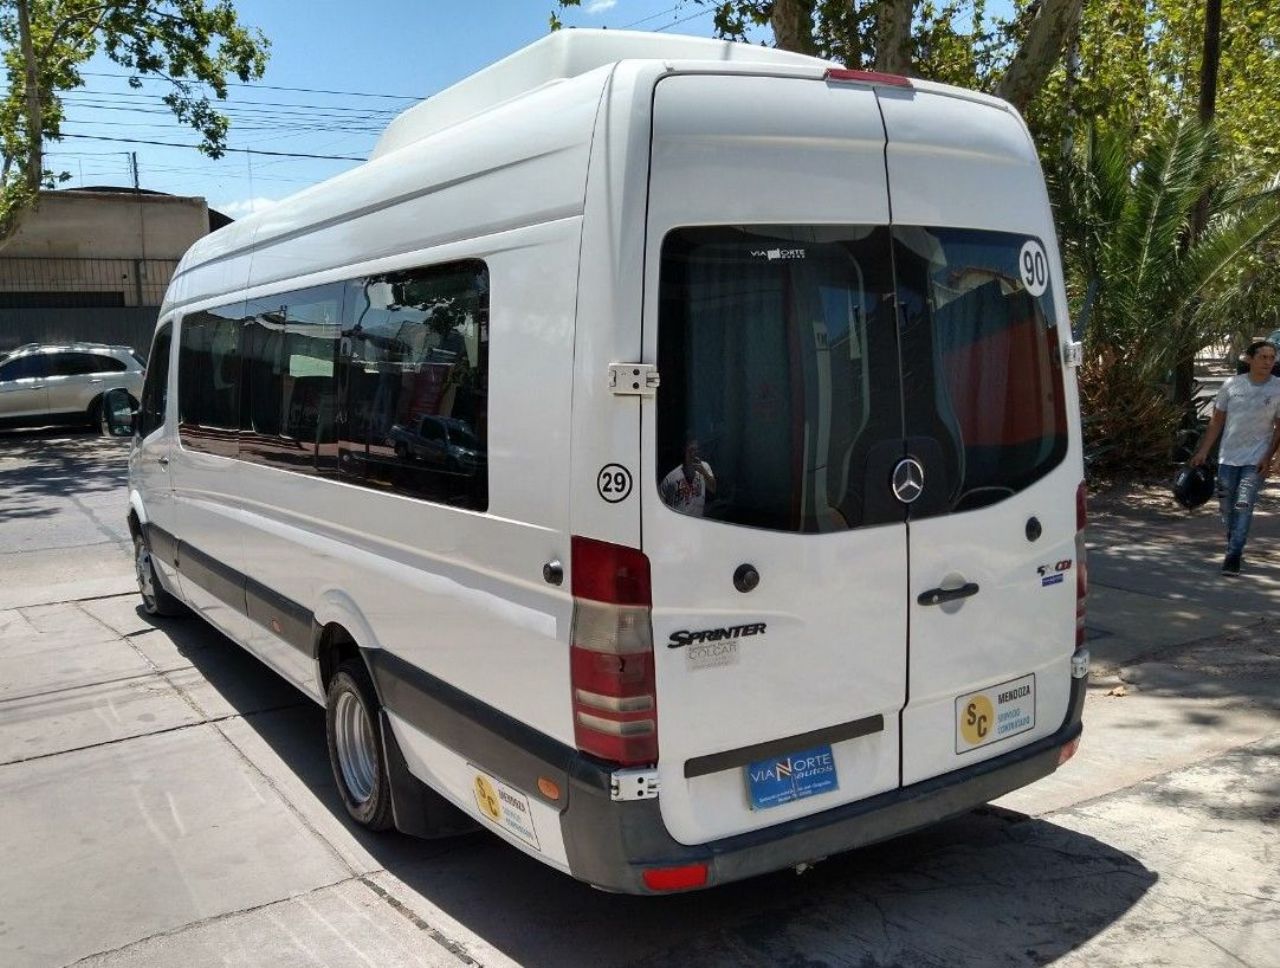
{"points": [[162, 461], [937, 596]]}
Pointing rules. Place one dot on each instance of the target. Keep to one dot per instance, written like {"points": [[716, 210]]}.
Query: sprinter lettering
{"points": [[684, 637]]}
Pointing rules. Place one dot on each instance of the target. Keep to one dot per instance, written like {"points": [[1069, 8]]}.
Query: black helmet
{"points": [[1192, 486]]}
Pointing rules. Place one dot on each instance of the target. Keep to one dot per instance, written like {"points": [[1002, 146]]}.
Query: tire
{"points": [[354, 732], [93, 416], [155, 600]]}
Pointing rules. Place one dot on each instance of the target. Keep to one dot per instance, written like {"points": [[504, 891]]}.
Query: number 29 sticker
{"points": [[614, 483], [1033, 266]]}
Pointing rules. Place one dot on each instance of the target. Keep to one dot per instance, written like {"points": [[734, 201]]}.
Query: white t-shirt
{"points": [[684, 495], [1252, 410]]}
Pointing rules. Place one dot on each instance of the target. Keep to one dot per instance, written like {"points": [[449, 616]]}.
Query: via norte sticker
{"points": [[1033, 267]]}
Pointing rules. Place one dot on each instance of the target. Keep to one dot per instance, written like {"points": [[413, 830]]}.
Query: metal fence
{"points": [[127, 326], [30, 282]]}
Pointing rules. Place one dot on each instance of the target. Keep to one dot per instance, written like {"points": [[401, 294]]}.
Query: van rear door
{"points": [[778, 555], [988, 407]]}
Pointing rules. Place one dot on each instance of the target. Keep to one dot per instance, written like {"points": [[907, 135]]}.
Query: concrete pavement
{"points": [[166, 800]]}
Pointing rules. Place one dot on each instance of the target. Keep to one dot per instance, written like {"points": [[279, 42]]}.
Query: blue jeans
{"points": [[1237, 493]]}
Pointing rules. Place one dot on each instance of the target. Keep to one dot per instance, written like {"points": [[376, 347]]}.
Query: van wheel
{"points": [[155, 600], [355, 746]]}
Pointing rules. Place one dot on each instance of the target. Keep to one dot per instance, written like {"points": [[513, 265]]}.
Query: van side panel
{"points": [[606, 428], [459, 595]]}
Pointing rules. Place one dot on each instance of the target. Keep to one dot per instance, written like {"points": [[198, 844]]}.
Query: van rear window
{"points": [[799, 364], [772, 344]]}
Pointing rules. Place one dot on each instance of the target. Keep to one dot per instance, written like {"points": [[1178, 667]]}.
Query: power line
{"points": [[247, 151], [652, 16], [692, 16], [264, 87], [87, 94]]}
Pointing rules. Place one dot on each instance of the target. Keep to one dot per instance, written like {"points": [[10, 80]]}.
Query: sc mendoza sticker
{"points": [[995, 713], [613, 483], [1033, 267], [505, 807]]}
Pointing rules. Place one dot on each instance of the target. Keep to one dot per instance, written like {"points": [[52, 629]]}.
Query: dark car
{"points": [[443, 443]]}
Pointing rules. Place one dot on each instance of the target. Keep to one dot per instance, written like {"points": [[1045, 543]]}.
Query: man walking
{"points": [[1248, 406]]}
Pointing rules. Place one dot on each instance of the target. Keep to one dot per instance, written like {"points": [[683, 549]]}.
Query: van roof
{"points": [[560, 56]]}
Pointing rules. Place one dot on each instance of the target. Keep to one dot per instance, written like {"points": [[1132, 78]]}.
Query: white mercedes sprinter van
{"points": [[663, 453]]}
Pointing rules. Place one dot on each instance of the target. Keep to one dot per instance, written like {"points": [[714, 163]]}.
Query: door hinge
{"points": [[633, 785], [1073, 353], [633, 379]]}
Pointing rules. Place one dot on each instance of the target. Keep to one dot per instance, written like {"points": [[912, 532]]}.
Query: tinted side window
{"points": [[416, 345], [28, 367], [82, 364], [209, 380], [156, 385], [288, 415]]}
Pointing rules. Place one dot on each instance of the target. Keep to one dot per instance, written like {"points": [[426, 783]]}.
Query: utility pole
{"points": [[35, 129], [139, 265]]}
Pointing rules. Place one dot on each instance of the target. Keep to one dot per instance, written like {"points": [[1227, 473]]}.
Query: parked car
{"points": [[445, 443], [64, 384]]}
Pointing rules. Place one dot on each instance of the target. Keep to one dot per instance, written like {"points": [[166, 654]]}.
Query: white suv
{"points": [[64, 384]]}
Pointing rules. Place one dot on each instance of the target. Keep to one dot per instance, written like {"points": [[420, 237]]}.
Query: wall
{"points": [[129, 326]]}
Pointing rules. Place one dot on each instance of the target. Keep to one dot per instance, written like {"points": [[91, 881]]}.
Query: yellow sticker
{"points": [[487, 799], [977, 719], [995, 713]]}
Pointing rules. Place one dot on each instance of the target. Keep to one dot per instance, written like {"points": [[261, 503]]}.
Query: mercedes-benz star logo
{"points": [[908, 480]]}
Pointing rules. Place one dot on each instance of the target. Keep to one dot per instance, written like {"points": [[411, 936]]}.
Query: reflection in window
{"points": [[289, 409], [988, 353], [769, 399], [414, 371], [155, 387], [209, 380]]}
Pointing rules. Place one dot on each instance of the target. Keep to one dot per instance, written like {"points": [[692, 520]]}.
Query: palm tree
{"points": [[1148, 293]]}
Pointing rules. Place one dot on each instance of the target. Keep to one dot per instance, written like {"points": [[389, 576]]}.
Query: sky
{"points": [[338, 73]]}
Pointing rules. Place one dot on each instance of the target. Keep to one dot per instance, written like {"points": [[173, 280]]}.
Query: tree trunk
{"points": [[1053, 24], [792, 22], [893, 36], [1184, 375], [35, 116]]}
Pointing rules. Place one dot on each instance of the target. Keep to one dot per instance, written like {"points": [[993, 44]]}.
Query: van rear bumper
{"points": [[611, 844]]}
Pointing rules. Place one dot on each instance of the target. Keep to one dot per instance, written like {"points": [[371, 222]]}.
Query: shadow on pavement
{"points": [[33, 471], [990, 887]]}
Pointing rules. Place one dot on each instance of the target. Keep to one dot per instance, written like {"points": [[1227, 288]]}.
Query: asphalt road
{"points": [[166, 800]]}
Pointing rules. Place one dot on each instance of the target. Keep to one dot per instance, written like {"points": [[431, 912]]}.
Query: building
{"points": [[93, 264]]}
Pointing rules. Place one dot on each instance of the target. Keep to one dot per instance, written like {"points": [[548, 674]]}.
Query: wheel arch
{"points": [[341, 632]]}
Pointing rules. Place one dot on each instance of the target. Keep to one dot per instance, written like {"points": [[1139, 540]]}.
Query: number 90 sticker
{"points": [[1033, 266], [614, 483]]}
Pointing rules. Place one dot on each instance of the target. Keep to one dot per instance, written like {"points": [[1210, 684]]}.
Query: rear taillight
{"points": [[866, 77], [675, 878], [1082, 563], [615, 707]]}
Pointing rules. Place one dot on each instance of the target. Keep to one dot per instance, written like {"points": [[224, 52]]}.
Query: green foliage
{"points": [[194, 44], [1155, 295]]}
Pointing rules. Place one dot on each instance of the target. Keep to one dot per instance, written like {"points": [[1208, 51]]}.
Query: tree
{"points": [[193, 44], [923, 38], [1154, 294]]}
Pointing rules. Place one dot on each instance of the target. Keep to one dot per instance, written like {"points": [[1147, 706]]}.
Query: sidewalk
{"points": [[166, 799], [1186, 662]]}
